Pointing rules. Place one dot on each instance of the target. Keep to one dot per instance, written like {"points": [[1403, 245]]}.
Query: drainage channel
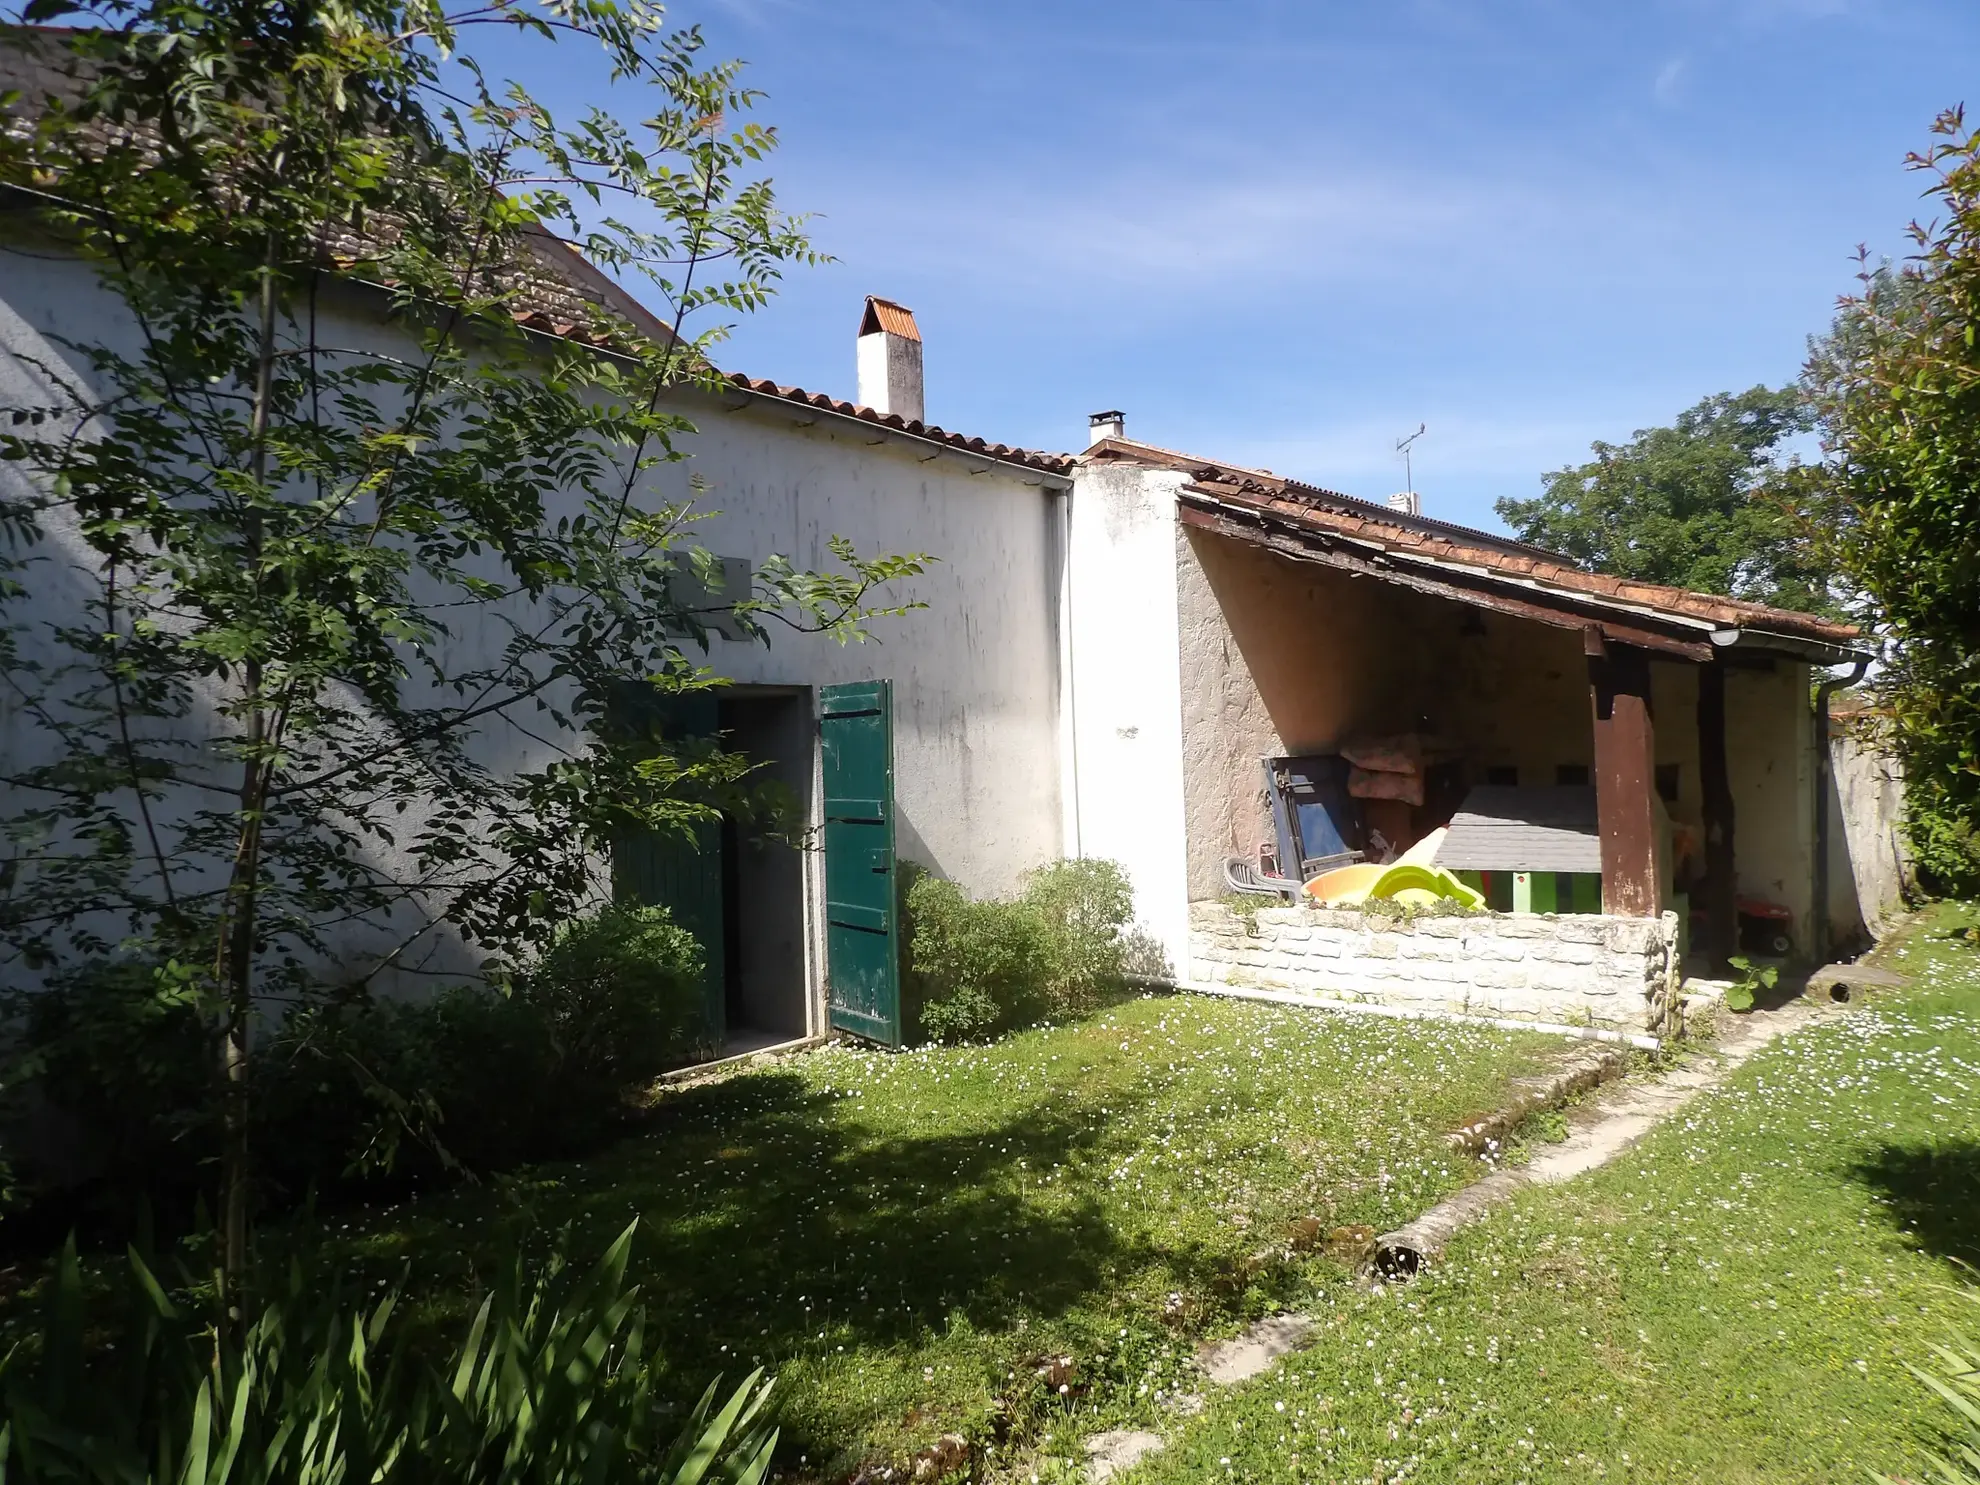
{"points": [[1608, 1124]]}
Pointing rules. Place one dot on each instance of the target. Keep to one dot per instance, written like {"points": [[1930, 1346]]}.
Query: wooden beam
{"points": [[1719, 891], [1625, 782], [1315, 547]]}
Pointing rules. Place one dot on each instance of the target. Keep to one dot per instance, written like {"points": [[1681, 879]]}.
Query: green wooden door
{"points": [[670, 870], [862, 964]]}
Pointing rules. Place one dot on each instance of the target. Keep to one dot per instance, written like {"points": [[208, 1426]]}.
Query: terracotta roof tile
{"points": [[885, 315], [1332, 514], [1061, 464]]}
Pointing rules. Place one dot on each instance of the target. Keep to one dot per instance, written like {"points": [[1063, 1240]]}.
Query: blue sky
{"points": [[1286, 233]]}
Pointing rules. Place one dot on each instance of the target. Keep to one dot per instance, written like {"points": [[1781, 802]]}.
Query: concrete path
{"points": [[1600, 1129]]}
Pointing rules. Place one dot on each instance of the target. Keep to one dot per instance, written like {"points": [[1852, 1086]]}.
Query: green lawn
{"points": [[1733, 1301], [902, 1237]]}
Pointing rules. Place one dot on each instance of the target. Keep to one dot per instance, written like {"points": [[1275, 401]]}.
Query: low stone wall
{"points": [[1572, 968]]}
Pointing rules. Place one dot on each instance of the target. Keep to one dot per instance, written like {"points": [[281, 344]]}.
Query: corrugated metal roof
{"points": [[885, 315], [1503, 827]]}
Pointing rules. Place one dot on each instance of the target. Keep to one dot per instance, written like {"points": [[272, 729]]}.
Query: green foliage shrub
{"points": [[111, 1091], [1085, 905], [481, 1080], [1954, 1374], [977, 968], [1755, 980], [1939, 826], [620, 993], [1897, 387], [116, 1080], [552, 1385]]}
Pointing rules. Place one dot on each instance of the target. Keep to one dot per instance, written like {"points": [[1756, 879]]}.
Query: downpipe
{"points": [[1818, 927]]}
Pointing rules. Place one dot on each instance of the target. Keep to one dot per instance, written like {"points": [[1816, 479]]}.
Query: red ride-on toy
{"points": [[1765, 928]]}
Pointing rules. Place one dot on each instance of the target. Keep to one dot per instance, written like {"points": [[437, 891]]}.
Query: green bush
{"points": [[977, 968], [1085, 905], [551, 1385], [111, 1093], [621, 995], [1754, 981], [481, 1080], [114, 1099], [405, 1091], [1945, 851]]}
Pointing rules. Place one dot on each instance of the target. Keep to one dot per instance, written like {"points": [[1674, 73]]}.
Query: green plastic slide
{"points": [[1418, 886]]}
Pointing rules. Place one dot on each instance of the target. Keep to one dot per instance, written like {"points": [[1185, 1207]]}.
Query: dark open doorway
{"points": [[766, 990]]}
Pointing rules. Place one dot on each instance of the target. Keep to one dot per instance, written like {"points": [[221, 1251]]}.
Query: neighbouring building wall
{"points": [[1869, 872], [1123, 693], [1770, 761], [1574, 969]]}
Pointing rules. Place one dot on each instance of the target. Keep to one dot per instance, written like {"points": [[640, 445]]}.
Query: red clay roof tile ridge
{"points": [[1045, 460], [886, 315], [1711, 606]]}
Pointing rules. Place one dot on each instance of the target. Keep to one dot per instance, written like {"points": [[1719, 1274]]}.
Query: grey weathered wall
{"points": [[1869, 872], [975, 669]]}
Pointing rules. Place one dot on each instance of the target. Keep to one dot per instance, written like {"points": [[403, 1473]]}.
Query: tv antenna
{"points": [[1402, 447]]}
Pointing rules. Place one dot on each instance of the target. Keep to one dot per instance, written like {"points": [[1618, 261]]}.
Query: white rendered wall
{"points": [[1869, 873], [1124, 697], [889, 368], [975, 671], [1770, 764]]}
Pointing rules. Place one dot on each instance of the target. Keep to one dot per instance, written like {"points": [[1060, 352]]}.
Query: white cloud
{"points": [[1670, 78], [1311, 224]]}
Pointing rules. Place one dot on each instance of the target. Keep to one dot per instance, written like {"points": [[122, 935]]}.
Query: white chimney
{"points": [[1105, 425], [1409, 502], [890, 360]]}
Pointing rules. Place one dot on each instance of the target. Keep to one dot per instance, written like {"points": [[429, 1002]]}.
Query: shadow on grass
{"points": [[1934, 1191], [778, 1220]]}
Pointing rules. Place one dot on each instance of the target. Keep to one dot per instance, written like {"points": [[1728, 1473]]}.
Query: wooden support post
{"points": [[1625, 778], [1718, 893]]}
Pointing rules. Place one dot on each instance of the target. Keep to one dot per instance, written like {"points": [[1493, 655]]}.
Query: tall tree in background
{"points": [[271, 580], [1695, 505], [1897, 387]]}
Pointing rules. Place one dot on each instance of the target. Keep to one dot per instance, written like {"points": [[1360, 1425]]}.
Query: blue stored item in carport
{"points": [[1318, 823]]}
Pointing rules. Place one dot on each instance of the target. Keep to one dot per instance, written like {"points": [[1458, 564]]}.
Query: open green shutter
{"points": [[651, 869], [862, 963]]}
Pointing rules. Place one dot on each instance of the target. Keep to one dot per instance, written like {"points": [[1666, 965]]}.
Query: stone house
{"points": [[1111, 643], [1269, 619]]}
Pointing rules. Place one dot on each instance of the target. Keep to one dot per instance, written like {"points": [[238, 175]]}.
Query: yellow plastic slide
{"points": [[1410, 880]]}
